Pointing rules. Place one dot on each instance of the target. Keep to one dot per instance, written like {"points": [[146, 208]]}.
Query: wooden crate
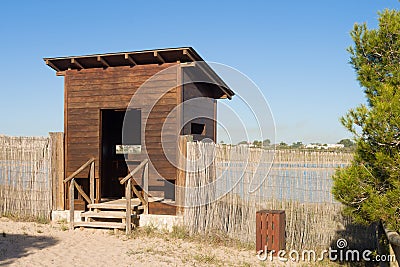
{"points": [[270, 230]]}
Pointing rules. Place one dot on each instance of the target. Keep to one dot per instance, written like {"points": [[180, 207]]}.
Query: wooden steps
{"points": [[111, 214], [104, 214], [108, 225], [119, 204]]}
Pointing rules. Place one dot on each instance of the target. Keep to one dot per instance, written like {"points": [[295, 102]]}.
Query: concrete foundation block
{"points": [[161, 222]]}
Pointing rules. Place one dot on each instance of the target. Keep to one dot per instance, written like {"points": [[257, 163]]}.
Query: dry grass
{"points": [[179, 237], [182, 233], [26, 218]]}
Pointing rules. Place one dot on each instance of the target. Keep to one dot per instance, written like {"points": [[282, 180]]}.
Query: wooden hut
{"points": [[98, 95]]}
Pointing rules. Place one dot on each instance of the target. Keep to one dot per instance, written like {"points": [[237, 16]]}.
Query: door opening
{"points": [[114, 147]]}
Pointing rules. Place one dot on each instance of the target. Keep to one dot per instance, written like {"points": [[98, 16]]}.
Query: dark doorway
{"points": [[115, 147]]}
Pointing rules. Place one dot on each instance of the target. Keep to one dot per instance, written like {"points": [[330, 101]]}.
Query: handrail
{"points": [[129, 187], [74, 185], [83, 194], [79, 170], [392, 236], [134, 171], [394, 241], [130, 176]]}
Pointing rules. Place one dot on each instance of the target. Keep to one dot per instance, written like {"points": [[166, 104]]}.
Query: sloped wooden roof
{"points": [[156, 56]]}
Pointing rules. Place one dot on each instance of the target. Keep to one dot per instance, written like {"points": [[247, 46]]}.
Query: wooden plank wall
{"points": [[89, 90]]}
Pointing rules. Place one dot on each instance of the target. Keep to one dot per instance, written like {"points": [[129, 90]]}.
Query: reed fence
{"points": [[226, 185], [25, 176]]}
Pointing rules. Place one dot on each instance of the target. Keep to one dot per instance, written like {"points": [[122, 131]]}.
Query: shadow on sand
{"points": [[15, 246], [357, 237]]}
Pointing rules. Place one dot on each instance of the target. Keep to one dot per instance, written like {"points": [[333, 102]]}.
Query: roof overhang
{"points": [[157, 56]]}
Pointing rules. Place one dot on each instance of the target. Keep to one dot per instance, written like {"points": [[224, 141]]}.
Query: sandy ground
{"points": [[33, 244]]}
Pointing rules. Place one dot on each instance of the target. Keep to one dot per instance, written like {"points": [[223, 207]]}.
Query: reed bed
{"points": [[226, 185], [25, 183]]}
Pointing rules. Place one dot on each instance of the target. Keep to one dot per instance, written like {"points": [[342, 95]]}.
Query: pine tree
{"points": [[370, 186]]}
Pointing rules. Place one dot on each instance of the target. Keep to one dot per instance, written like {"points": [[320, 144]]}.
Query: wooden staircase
{"points": [[110, 214], [114, 214]]}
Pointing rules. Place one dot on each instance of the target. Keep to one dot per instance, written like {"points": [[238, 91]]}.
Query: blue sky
{"points": [[293, 50]]}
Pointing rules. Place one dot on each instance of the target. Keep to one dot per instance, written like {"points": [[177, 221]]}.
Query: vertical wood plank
{"points": [[282, 224], [146, 188], [98, 189], [61, 172], [54, 183], [215, 121], [181, 178], [258, 232], [99, 171], [57, 170], [179, 125], [91, 186], [128, 197], [71, 204], [265, 230], [65, 154]]}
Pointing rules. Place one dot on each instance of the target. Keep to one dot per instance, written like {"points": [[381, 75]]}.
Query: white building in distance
{"points": [[325, 146]]}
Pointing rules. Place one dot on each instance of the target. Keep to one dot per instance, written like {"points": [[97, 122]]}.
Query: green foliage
{"points": [[347, 143], [257, 143], [370, 187], [282, 145], [205, 258], [64, 227], [375, 54], [149, 229], [266, 143], [179, 232], [297, 145]]}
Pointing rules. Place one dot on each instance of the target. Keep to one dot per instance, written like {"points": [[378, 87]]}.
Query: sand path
{"points": [[33, 244]]}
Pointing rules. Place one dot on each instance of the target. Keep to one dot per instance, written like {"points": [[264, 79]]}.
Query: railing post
{"points": [[71, 204], [128, 191], [146, 188], [91, 188]]}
